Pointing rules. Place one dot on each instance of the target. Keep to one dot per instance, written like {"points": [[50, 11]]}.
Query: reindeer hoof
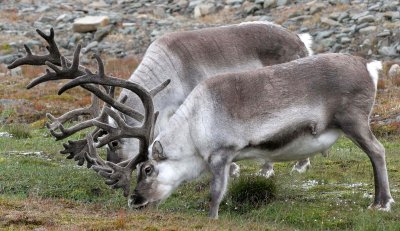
{"points": [[266, 173], [301, 166], [382, 206], [234, 170]]}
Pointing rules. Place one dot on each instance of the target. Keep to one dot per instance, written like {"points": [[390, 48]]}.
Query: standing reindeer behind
{"points": [[283, 112], [188, 58]]}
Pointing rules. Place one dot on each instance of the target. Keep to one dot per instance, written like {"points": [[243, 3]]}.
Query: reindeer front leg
{"points": [[219, 166]]}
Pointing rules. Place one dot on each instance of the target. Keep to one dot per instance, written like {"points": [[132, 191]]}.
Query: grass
{"points": [[19, 131], [40, 189]]}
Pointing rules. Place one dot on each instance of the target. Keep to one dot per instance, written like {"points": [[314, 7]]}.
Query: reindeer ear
{"points": [[157, 151]]}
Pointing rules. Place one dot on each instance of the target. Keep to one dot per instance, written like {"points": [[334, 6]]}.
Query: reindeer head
{"points": [[155, 179], [168, 166]]}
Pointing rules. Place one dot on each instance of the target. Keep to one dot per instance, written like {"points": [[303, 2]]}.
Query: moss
{"points": [[248, 192]]}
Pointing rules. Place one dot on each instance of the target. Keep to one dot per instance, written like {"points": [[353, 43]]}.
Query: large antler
{"points": [[119, 175]]}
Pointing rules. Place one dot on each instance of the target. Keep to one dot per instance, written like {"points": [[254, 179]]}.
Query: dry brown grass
{"points": [[10, 15], [56, 214]]}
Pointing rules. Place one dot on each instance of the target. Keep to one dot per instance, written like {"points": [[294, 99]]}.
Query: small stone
{"points": [[388, 51], [89, 23], [204, 9], [359, 27], [281, 2], [315, 8], [90, 46], [7, 59], [375, 7], [384, 33], [159, 11], [250, 9], [43, 9], [345, 40], [324, 34], [367, 30], [391, 15], [329, 22], [269, 3], [16, 71], [394, 71], [300, 18], [343, 16], [234, 2], [356, 16], [328, 42], [335, 15], [98, 4], [102, 32], [367, 18]]}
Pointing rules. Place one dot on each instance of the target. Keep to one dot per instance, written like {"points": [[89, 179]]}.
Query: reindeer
{"points": [[187, 58], [283, 112]]}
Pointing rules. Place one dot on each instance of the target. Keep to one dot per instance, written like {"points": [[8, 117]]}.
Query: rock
{"points": [[43, 8], [301, 18], [89, 47], [98, 5], [159, 12], [364, 19], [204, 9], [368, 30], [394, 71], [89, 23], [7, 59], [269, 3], [315, 8], [391, 6], [328, 42], [234, 2], [388, 51], [335, 15], [384, 33], [391, 15], [356, 16], [345, 40], [281, 2], [329, 22], [375, 7], [16, 72], [343, 16], [351, 29], [324, 34], [251, 8], [359, 27], [102, 32]]}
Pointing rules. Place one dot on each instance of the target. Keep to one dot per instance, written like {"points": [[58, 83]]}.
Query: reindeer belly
{"points": [[299, 148]]}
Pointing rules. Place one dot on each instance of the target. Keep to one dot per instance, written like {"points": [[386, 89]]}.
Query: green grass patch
{"points": [[19, 131], [333, 195]]}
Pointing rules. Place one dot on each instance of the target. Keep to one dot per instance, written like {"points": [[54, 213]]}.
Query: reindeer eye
{"points": [[148, 170], [114, 144]]}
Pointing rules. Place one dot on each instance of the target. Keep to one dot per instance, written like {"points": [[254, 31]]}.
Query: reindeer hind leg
{"points": [[360, 133]]}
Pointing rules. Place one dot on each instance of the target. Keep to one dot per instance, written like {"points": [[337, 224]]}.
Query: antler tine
{"points": [[30, 59], [66, 71], [93, 110]]}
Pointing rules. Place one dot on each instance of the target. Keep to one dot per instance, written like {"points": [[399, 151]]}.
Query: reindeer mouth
{"points": [[137, 202]]}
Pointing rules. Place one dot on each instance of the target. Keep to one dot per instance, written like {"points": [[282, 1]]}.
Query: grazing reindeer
{"points": [[283, 112], [188, 58]]}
